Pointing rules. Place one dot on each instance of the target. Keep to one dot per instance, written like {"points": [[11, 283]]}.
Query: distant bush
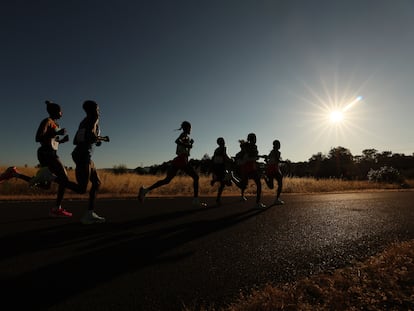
{"points": [[386, 174], [120, 169]]}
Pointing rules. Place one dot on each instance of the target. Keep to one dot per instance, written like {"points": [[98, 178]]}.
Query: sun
{"points": [[334, 113], [336, 117]]}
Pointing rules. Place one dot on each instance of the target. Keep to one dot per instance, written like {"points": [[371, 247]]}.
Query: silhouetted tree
{"points": [[316, 163], [341, 162]]}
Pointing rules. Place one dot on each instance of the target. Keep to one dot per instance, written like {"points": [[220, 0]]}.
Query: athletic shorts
{"points": [[180, 162], [46, 155]]}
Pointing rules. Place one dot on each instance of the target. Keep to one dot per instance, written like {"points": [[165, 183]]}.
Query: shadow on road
{"points": [[100, 254]]}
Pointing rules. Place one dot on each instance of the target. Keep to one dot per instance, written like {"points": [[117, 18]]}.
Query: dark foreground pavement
{"points": [[166, 254]]}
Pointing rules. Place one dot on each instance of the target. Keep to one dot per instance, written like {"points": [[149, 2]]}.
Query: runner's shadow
{"points": [[22, 221], [116, 249], [63, 235]]}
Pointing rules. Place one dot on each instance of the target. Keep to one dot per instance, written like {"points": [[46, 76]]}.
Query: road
{"points": [[165, 254]]}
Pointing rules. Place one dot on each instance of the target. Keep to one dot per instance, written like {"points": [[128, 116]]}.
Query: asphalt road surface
{"points": [[165, 254]]}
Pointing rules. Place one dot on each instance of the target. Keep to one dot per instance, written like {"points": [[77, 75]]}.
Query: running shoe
{"points": [[90, 217], [9, 173], [141, 194], [279, 202], [260, 205], [197, 203], [59, 213]]}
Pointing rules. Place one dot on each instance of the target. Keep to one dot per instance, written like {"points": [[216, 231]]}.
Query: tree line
{"points": [[337, 163], [340, 163]]}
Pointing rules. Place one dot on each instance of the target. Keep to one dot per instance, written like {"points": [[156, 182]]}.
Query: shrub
{"points": [[386, 174], [120, 169]]}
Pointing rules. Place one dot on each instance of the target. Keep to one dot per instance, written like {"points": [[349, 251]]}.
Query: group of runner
{"points": [[225, 170], [244, 166]]}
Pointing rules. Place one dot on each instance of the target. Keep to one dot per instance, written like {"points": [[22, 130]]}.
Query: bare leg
{"points": [[279, 179], [24, 177], [193, 174], [219, 192], [171, 173], [258, 189]]}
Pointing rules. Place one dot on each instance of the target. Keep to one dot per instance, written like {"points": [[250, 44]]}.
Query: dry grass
{"points": [[127, 185], [383, 282]]}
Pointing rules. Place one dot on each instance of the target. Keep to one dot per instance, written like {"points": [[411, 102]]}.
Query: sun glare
{"points": [[336, 117]]}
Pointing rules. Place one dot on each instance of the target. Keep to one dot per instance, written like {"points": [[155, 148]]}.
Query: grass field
{"points": [[127, 185], [382, 282]]}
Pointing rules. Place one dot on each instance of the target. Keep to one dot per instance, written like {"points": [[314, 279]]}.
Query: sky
{"points": [[230, 67]]}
